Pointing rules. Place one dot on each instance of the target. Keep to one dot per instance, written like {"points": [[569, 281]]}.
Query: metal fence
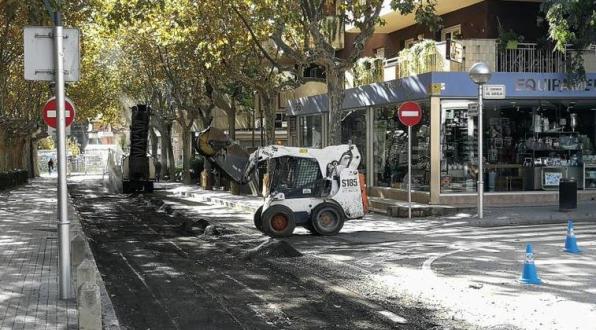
{"points": [[91, 162], [530, 57]]}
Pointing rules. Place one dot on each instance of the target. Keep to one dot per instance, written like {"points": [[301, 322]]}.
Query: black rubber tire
{"points": [[148, 187], [327, 219], [274, 217], [257, 219]]}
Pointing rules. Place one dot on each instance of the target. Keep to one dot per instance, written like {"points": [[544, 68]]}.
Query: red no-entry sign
{"points": [[409, 113], [50, 116]]}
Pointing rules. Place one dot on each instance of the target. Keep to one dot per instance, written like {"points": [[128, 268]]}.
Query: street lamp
{"points": [[480, 74]]}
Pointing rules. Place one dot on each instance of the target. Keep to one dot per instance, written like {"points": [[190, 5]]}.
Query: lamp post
{"points": [[480, 74]]}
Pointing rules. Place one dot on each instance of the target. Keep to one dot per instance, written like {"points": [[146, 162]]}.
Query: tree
{"points": [[305, 32], [572, 22]]}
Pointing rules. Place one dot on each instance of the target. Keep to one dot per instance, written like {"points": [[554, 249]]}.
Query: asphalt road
{"points": [[162, 275]]}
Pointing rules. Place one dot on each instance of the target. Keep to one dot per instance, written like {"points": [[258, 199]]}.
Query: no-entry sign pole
{"points": [[63, 223], [410, 114], [409, 172]]}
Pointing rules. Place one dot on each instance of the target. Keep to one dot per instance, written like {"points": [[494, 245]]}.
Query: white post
{"points": [[480, 157], [63, 223], [409, 172]]}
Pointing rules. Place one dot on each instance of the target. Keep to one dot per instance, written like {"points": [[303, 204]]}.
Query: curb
{"points": [[218, 201], [88, 292]]}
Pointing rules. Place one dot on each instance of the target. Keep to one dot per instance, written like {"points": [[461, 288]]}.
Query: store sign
{"points": [[472, 109], [553, 85], [494, 92], [455, 51]]}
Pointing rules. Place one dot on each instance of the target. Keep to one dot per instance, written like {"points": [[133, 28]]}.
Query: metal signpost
{"points": [[39, 49], [480, 74], [409, 114]]}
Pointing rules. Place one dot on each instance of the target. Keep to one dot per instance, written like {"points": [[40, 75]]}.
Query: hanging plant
{"points": [[420, 58], [368, 70]]}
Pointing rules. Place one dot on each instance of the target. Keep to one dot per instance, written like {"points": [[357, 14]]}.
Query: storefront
{"points": [[538, 131]]}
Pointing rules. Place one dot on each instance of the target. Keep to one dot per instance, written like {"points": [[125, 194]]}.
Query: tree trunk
{"points": [[269, 114], [335, 91], [231, 114], [171, 160], [154, 143], [186, 153], [206, 177]]}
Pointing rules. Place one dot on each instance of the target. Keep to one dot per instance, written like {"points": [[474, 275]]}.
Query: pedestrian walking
{"points": [[50, 166], [157, 170]]}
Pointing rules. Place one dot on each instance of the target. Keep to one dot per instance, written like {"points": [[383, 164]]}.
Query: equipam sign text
{"points": [[553, 85]]}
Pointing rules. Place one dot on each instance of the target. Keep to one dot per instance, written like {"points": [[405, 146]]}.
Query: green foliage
{"points": [[46, 143], [573, 23], [420, 58], [368, 70], [73, 147]]}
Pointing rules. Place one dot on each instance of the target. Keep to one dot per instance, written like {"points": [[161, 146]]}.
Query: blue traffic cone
{"points": [[529, 275], [570, 240]]}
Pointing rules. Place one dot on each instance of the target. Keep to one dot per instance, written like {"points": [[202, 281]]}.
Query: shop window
{"points": [[528, 145], [311, 131], [353, 129], [390, 149]]}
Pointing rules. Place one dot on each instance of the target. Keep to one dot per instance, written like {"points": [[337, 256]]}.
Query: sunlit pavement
{"points": [[466, 272], [28, 258]]}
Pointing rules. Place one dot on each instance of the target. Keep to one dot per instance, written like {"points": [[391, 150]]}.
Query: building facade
{"points": [[538, 127]]}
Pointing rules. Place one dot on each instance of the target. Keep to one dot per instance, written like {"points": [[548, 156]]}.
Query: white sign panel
{"points": [[494, 92], [473, 109], [39, 53], [53, 133]]}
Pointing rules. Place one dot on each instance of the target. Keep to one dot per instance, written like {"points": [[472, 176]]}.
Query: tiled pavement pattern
{"points": [[29, 297]]}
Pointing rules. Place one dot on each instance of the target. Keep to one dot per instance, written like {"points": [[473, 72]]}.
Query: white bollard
{"points": [[89, 306], [85, 274]]}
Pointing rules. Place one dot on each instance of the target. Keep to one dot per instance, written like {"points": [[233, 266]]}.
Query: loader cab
{"points": [[297, 177]]}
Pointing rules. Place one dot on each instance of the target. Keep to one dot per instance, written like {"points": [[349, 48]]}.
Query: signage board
{"points": [[455, 51], [39, 53], [409, 113], [494, 92], [49, 113], [472, 109]]}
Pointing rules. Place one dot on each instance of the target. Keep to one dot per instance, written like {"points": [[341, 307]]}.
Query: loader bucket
{"points": [[211, 140], [223, 152]]}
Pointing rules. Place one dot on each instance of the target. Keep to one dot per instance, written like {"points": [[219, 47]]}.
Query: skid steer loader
{"points": [[315, 188]]}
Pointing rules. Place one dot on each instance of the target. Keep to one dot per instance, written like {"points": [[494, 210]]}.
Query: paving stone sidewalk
{"points": [[29, 297]]}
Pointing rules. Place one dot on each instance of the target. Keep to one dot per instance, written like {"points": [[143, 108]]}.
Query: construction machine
{"points": [[318, 189], [138, 168]]}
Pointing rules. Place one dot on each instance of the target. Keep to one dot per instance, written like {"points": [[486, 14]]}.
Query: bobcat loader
{"points": [[318, 189]]}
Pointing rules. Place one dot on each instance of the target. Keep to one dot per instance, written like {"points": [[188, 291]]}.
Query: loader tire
{"points": [[257, 218], [327, 219], [278, 221]]}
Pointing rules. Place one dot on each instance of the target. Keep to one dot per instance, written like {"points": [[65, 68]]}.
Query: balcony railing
{"points": [[526, 57], [529, 57]]}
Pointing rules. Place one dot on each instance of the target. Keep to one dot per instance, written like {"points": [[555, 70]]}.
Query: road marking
{"points": [[426, 265]]}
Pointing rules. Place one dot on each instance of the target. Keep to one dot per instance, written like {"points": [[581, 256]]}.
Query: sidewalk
{"points": [[29, 297], [493, 216]]}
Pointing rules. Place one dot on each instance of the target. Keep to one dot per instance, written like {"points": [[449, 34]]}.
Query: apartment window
{"points": [[452, 32], [380, 52]]}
